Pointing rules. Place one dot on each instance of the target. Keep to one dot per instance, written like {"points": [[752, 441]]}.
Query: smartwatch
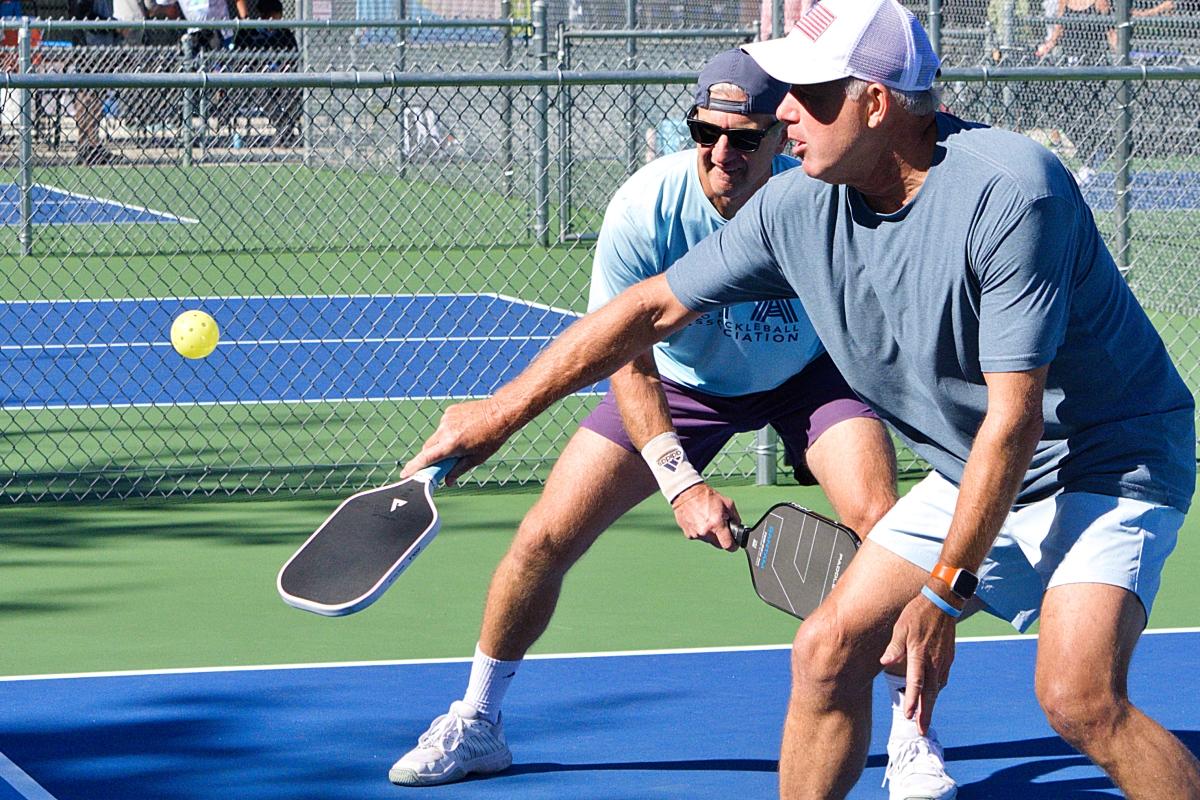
{"points": [[962, 582]]}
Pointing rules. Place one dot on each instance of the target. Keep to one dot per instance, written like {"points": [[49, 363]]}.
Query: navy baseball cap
{"points": [[763, 93]]}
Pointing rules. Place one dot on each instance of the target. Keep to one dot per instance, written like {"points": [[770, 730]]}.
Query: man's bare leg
{"points": [[855, 463], [1087, 636], [592, 485], [835, 657]]}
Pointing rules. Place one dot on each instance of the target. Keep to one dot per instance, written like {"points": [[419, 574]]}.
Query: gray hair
{"points": [[728, 91], [918, 104]]}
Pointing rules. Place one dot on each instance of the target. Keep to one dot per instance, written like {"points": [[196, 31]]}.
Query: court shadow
{"points": [[685, 765], [1031, 779]]}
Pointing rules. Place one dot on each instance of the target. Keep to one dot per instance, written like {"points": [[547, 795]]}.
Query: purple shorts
{"points": [[800, 410]]}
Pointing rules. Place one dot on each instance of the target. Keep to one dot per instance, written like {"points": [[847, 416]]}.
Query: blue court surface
{"points": [[1148, 191], [694, 725], [51, 206], [56, 354]]}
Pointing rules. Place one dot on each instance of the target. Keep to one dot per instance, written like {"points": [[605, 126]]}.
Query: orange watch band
{"points": [[945, 573]]}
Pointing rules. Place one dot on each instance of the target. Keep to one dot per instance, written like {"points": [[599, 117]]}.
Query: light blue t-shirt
{"points": [[995, 266], [659, 214]]}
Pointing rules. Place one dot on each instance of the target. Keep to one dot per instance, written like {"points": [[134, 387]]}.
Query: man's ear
{"points": [[877, 104]]}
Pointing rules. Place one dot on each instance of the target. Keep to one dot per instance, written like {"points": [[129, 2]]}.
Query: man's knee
{"points": [[1080, 708], [541, 547], [862, 516], [822, 655]]}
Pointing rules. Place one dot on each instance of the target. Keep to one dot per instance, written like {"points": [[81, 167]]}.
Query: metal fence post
{"points": [[935, 25], [541, 101], [564, 143], [777, 20], [1124, 134], [25, 99], [632, 145], [402, 65], [506, 103], [304, 11], [765, 469], [186, 133]]}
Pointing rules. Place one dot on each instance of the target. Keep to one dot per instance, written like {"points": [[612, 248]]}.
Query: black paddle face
{"points": [[360, 549], [796, 557]]}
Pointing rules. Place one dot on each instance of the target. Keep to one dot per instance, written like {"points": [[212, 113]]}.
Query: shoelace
{"points": [[444, 734], [914, 755]]}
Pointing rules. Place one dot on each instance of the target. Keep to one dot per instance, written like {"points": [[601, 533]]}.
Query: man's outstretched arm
{"points": [[591, 349]]}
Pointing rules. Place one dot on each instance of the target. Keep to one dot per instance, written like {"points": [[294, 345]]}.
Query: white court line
{"points": [[333, 401], [467, 659], [219, 297], [18, 779], [118, 204]]}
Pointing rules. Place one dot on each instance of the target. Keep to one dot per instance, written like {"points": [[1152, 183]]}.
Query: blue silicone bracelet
{"points": [[936, 599]]}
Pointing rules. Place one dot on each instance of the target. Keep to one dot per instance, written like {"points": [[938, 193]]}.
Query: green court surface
{"points": [[154, 584]]}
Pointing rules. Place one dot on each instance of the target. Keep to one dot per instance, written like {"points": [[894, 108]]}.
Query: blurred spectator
{"points": [[96, 46], [1085, 42], [265, 38], [198, 40], [279, 48], [792, 11]]}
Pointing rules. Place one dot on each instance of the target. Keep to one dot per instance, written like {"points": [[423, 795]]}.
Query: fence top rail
{"points": [[1136, 72], [397, 79], [659, 33], [334, 80], [1087, 20], [18, 23]]}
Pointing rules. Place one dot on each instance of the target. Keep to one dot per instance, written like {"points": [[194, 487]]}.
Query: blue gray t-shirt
{"points": [[995, 266]]}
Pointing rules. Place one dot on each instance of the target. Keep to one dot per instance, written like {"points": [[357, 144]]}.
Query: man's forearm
{"points": [[999, 459], [990, 484], [638, 390]]}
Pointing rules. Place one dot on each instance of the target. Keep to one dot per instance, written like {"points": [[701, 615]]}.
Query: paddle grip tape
{"points": [[936, 599], [674, 473]]}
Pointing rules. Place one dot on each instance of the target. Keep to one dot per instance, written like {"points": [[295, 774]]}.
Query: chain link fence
{"points": [[373, 243]]}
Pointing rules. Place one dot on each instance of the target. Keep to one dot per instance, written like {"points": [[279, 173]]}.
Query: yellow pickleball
{"points": [[194, 334]]}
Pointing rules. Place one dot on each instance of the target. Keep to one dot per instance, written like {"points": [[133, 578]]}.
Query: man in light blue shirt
{"points": [[671, 410], [957, 279]]}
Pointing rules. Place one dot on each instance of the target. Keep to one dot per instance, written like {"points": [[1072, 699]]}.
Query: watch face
{"points": [[965, 584]]}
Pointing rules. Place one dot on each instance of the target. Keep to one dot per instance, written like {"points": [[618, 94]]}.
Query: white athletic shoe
{"points": [[916, 770], [456, 744]]}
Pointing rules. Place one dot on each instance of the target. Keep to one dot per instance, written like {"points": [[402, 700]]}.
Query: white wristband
{"points": [[670, 465]]}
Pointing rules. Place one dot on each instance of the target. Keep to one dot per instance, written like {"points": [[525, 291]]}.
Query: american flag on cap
{"points": [[814, 23]]}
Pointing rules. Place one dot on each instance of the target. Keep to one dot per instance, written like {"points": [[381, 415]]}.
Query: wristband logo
{"points": [[671, 459]]}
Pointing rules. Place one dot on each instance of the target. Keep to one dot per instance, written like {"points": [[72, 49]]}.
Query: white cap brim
{"points": [[794, 59]]}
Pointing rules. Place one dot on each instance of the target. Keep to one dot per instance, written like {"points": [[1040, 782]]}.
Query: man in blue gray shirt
{"points": [[957, 279]]}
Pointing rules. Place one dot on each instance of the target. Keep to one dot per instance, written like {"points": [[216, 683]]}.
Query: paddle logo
{"points": [[766, 546], [397, 503]]}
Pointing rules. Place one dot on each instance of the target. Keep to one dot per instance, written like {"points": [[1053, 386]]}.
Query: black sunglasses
{"points": [[706, 134]]}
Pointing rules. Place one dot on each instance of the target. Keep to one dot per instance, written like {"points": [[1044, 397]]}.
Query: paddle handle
{"points": [[433, 475], [740, 534]]}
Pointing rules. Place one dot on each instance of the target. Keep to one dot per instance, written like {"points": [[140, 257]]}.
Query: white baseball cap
{"points": [[875, 40]]}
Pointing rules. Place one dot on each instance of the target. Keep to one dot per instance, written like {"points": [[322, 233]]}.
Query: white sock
{"points": [[902, 726], [489, 681]]}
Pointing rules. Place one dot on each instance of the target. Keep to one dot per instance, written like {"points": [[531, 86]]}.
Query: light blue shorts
{"points": [[1074, 537]]}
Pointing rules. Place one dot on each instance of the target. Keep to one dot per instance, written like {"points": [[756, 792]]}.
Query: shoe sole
{"points": [[953, 794], [484, 765]]}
